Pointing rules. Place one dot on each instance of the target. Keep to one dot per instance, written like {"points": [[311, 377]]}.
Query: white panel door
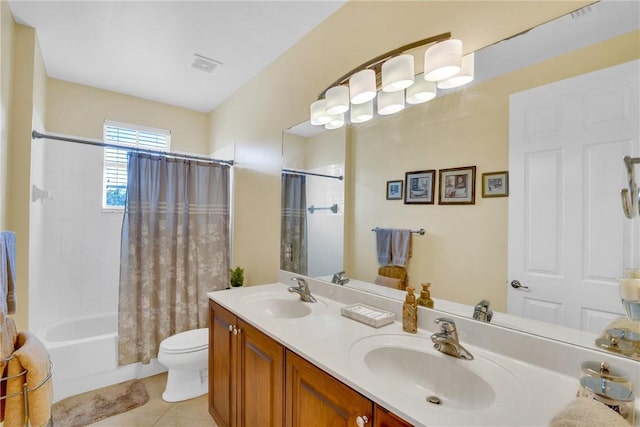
{"points": [[568, 237]]}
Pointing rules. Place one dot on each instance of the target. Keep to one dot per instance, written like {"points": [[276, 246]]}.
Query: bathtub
{"points": [[84, 352]]}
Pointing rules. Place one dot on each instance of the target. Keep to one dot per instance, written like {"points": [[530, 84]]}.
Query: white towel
{"points": [[383, 245], [400, 247], [587, 412], [8, 272]]}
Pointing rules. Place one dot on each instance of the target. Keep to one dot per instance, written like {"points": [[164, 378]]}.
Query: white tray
{"points": [[368, 315]]}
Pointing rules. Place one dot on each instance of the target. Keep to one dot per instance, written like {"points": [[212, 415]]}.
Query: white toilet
{"points": [[186, 356]]}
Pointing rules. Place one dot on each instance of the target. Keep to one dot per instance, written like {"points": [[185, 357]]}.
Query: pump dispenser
{"points": [[410, 313], [425, 296]]}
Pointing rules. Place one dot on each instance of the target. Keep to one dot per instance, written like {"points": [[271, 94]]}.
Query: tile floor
{"points": [[158, 413]]}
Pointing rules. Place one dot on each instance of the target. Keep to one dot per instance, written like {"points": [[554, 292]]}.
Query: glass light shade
{"points": [[337, 121], [421, 91], [318, 112], [361, 113], [397, 73], [463, 77], [390, 102], [443, 60], [362, 86], [337, 100]]}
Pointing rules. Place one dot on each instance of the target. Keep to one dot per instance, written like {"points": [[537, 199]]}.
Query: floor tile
{"points": [[183, 422], [128, 419], [197, 408]]}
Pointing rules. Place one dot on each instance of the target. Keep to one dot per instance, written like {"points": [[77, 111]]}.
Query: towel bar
{"points": [[420, 232]]}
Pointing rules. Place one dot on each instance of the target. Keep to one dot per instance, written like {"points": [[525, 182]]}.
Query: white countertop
{"points": [[330, 341]]}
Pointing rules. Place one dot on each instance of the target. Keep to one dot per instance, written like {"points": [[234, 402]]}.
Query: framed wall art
{"points": [[420, 187], [394, 190], [495, 184], [457, 186]]}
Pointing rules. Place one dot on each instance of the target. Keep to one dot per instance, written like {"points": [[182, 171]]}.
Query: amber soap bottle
{"points": [[410, 313]]}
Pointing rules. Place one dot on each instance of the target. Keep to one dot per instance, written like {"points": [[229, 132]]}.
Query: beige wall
{"points": [[74, 109], [6, 74], [279, 97]]}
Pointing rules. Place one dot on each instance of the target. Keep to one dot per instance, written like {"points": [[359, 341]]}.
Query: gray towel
{"points": [[400, 247], [383, 245], [8, 272]]}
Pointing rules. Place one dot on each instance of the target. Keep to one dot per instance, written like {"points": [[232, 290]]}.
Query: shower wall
{"points": [[74, 244]]}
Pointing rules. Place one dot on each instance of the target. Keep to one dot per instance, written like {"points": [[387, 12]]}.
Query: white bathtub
{"points": [[85, 355]]}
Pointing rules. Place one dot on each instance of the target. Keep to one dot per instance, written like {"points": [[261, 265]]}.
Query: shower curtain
{"points": [[293, 241], [175, 249]]}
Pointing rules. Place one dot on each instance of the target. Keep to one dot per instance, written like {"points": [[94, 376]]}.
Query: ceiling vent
{"points": [[203, 63]]}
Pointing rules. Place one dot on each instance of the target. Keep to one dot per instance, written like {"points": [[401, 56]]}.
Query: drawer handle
{"points": [[230, 328], [236, 331], [361, 421]]}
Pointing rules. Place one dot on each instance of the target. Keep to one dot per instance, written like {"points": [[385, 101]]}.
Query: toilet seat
{"points": [[186, 342]]}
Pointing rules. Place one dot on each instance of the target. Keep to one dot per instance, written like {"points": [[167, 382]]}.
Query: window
{"points": [[114, 192]]}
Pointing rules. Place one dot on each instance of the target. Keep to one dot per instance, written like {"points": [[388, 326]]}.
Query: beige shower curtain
{"points": [[175, 249]]}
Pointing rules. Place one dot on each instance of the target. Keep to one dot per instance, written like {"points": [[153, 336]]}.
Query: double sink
{"points": [[405, 363]]}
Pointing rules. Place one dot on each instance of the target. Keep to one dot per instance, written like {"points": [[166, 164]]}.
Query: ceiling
{"points": [[146, 48]]}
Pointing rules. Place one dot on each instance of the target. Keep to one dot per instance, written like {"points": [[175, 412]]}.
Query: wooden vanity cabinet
{"points": [[384, 418], [246, 373], [314, 398]]}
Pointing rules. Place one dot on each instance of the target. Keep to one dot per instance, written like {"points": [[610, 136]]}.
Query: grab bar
{"points": [[333, 208], [630, 204]]}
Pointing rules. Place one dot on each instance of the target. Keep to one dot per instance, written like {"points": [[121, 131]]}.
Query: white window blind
{"points": [[114, 194]]}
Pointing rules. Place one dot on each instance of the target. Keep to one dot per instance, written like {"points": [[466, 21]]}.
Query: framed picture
{"points": [[495, 184], [419, 187], [394, 190], [458, 186]]}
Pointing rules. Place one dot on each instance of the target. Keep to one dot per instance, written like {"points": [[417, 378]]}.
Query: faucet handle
{"points": [[300, 282], [446, 324]]}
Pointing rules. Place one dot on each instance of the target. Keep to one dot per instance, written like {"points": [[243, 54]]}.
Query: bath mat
{"points": [[90, 407]]}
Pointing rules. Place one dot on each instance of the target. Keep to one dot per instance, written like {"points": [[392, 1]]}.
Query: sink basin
{"points": [[278, 306], [410, 366]]}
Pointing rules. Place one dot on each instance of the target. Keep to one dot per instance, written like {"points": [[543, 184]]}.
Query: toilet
{"points": [[186, 356]]}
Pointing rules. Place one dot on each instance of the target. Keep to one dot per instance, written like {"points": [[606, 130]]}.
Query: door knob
{"points": [[517, 285]]}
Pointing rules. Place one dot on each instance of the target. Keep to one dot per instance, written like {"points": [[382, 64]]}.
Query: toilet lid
{"points": [[185, 342]]}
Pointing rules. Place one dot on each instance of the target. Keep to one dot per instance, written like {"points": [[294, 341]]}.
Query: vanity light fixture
{"points": [[391, 77], [361, 113], [421, 91], [390, 102], [397, 73], [464, 76]]}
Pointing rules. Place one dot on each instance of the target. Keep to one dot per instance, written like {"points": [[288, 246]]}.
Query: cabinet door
{"points": [[384, 418], [222, 365], [314, 398], [261, 388]]}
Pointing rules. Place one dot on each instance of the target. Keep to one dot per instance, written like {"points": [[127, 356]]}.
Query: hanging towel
{"points": [[383, 245], [32, 356], [8, 272], [400, 247]]}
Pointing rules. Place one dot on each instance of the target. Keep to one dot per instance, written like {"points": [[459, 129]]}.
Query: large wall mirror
{"points": [[467, 252]]}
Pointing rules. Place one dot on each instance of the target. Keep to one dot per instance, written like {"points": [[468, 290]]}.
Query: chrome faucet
{"points": [[339, 279], [481, 311], [446, 341], [302, 289]]}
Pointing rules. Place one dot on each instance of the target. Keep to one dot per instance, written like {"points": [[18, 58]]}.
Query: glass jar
{"points": [[610, 393]]}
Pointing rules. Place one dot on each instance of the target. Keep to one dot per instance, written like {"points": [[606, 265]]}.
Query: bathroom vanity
{"points": [[276, 360]]}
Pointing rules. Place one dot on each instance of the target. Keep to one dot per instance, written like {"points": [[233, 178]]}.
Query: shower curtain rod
{"points": [[36, 135], [297, 172]]}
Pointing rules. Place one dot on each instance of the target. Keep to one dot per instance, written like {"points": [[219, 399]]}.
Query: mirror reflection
{"points": [[545, 236]]}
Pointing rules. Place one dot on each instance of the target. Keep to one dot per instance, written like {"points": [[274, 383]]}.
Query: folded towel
{"points": [[32, 356], [587, 412], [389, 282], [400, 247], [383, 245], [8, 272], [8, 335]]}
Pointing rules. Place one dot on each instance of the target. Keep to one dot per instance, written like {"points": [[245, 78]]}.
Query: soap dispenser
{"points": [[410, 313], [425, 296]]}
